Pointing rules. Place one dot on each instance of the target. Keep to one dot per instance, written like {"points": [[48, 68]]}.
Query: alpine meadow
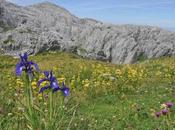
{"points": [[87, 65]]}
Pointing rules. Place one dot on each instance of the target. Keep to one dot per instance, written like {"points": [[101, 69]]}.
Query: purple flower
{"points": [[25, 65], [65, 90], [53, 84], [158, 114], [169, 104], [164, 111]]}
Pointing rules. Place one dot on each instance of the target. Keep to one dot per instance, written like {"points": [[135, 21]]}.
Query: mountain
{"points": [[46, 26], [171, 29]]}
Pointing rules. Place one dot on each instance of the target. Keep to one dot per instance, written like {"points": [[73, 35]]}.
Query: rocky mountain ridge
{"points": [[46, 26]]}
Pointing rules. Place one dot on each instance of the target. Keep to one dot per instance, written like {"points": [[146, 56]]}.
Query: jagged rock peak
{"points": [[47, 4], [45, 26]]}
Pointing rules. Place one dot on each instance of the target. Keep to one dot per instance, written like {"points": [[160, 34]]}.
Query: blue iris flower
{"points": [[65, 89], [53, 84], [25, 65]]}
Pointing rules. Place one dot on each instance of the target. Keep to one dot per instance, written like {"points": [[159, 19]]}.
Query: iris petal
{"points": [[54, 85], [65, 91], [55, 89], [35, 65], [46, 73], [43, 88], [40, 81], [25, 56], [19, 68]]}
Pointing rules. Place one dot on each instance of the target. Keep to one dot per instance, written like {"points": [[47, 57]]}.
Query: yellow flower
{"points": [[40, 96], [86, 85], [19, 83], [61, 79], [55, 68], [34, 85], [44, 83]]}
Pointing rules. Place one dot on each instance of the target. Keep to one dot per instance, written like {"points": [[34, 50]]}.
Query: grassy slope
{"points": [[108, 96]]}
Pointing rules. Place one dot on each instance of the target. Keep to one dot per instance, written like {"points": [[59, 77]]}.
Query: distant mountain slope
{"points": [[46, 26], [171, 29]]}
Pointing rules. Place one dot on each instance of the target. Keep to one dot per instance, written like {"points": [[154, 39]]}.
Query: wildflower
{"points": [[61, 79], [163, 106], [53, 84], [34, 85], [164, 111], [65, 89], [158, 114], [25, 65], [50, 78], [118, 72], [169, 104], [40, 96]]}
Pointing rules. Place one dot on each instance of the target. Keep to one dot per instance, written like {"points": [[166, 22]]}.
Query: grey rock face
{"points": [[46, 26]]}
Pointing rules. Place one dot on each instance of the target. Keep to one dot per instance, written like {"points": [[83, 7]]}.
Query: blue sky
{"points": [[143, 12]]}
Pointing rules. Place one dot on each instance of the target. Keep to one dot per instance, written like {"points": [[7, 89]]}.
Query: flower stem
{"points": [[50, 108], [29, 95]]}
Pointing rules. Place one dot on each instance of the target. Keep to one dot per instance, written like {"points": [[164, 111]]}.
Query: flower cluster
{"points": [[165, 109], [27, 66], [53, 84]]}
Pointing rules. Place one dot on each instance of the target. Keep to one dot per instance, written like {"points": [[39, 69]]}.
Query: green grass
{"points": [[103, 96]]}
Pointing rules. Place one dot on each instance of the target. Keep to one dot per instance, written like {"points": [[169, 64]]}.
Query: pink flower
{"points": [[164, 111], [169, 104], [158, 114]]}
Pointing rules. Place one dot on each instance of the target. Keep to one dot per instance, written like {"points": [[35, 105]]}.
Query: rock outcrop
{"points": [[46, 26]]}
